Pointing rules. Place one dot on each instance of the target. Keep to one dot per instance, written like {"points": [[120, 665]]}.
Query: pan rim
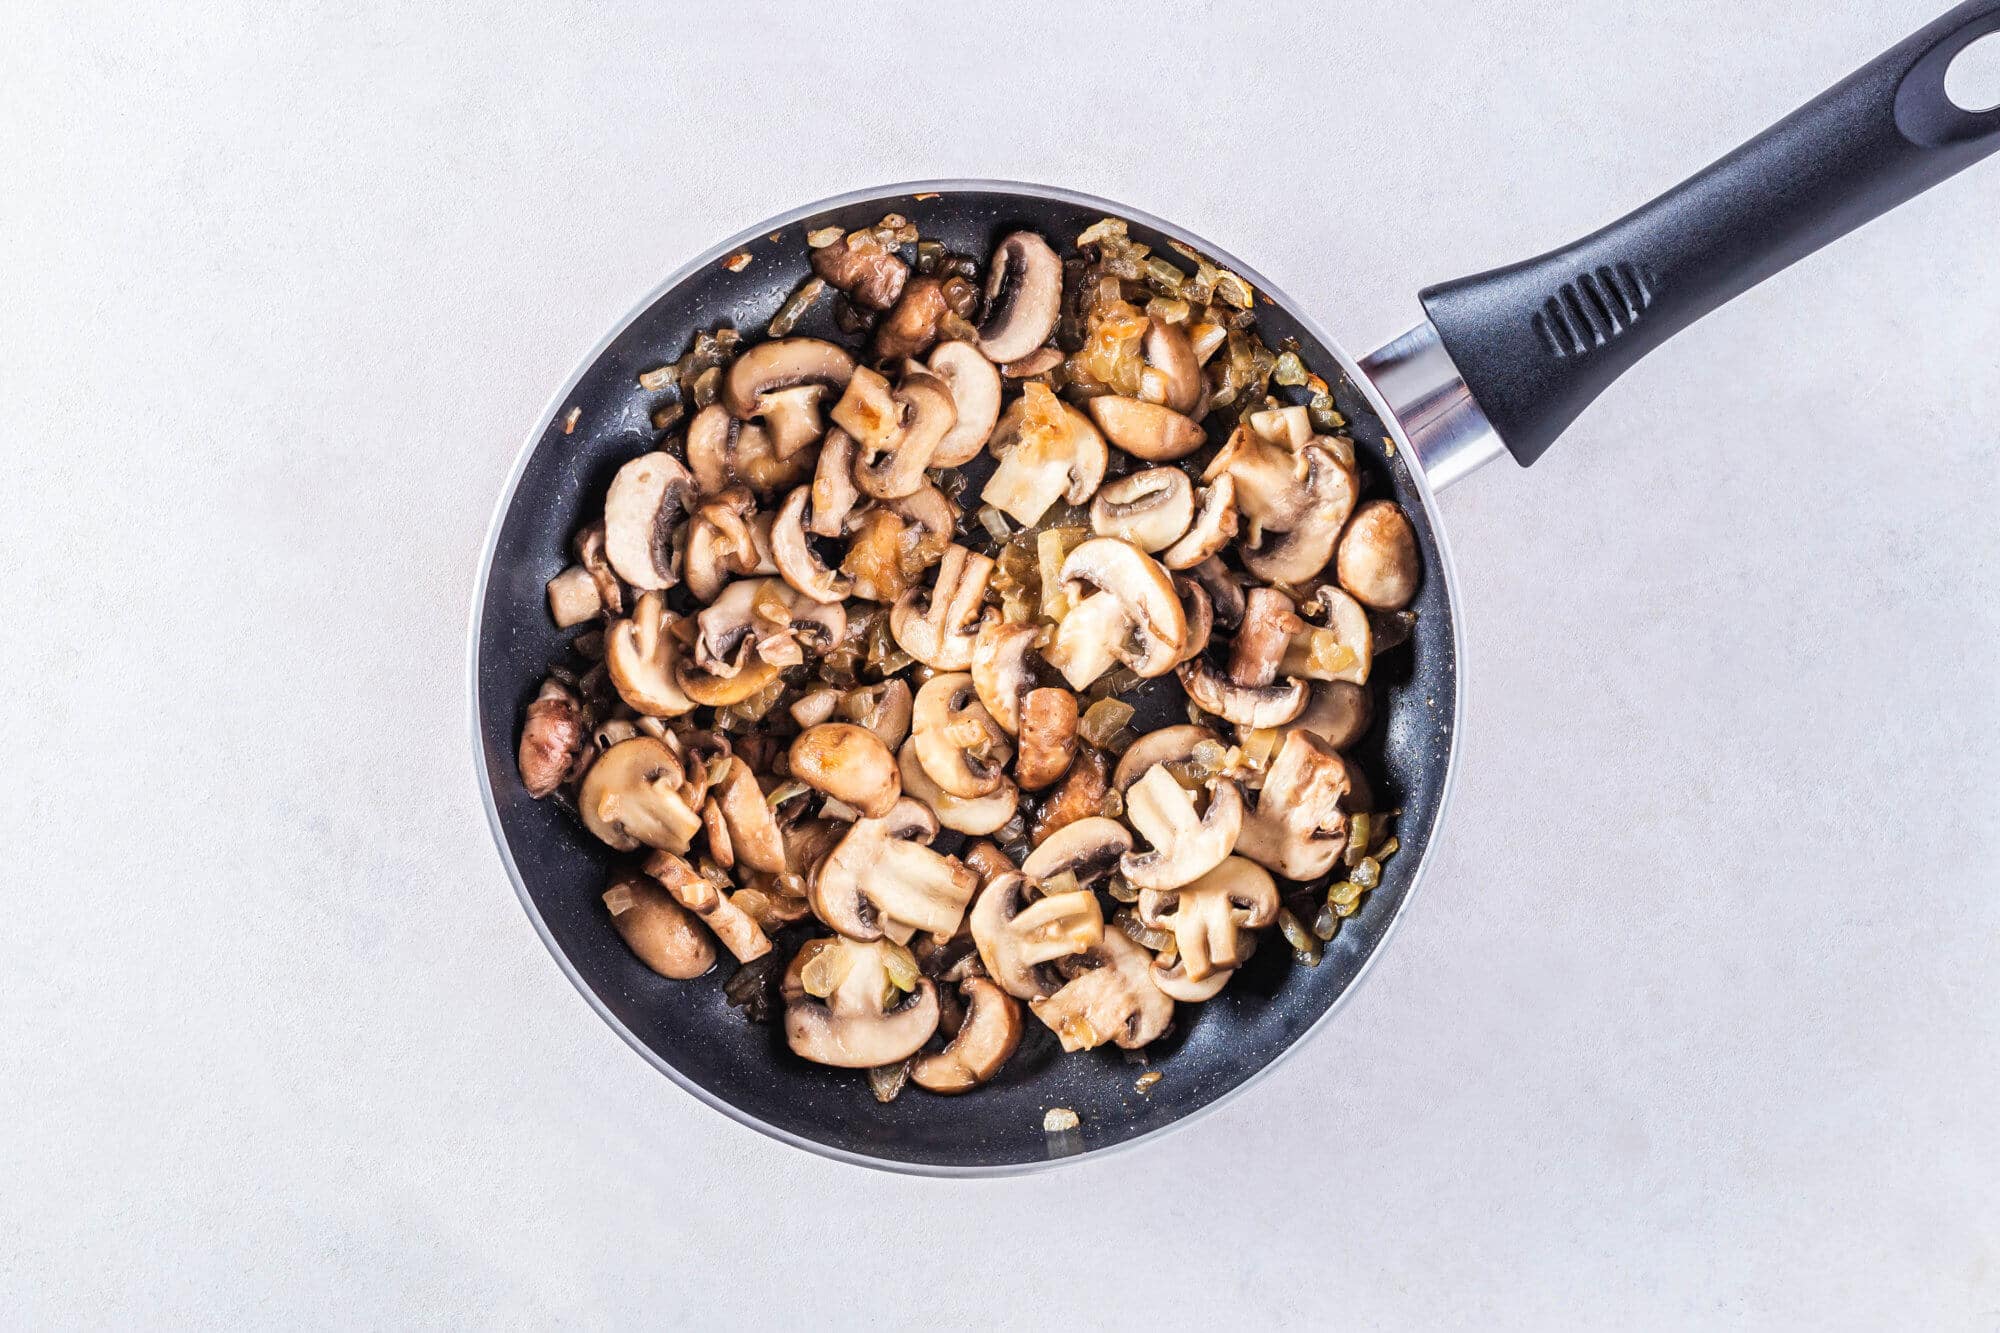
{"points": [[538, 432]]}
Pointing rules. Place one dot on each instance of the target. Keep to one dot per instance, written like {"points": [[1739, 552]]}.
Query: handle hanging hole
{"points": [[1973, 81]]}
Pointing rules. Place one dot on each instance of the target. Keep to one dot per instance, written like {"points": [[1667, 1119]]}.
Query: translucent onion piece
{"points": [[1102, 720]]}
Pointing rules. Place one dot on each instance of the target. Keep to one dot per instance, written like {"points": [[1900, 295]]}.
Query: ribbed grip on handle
{"points": [[1538, 341]]}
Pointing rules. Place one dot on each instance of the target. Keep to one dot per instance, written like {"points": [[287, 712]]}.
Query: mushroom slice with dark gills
{"points": [[1023, 298], [987, 1037], [1185, 844], [771, 368], [1089, 849], [957, 741], [1110, 996], [897, 431], [973, 815], [1018, 932], [724, 452], [765, 620], [1150, 509], [939, 626], [1125, 610], [975, 392], [646, 502], [793, 554], [632, 797], [727, 538], [864, 1020], [1212, 917], [883, 881], [642, 654]]}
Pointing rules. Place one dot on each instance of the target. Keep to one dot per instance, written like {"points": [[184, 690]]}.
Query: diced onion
{"points": [[1102, 720]]}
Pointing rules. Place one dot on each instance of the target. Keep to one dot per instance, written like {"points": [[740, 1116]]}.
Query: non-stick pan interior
{"points": [[687, 1027]]}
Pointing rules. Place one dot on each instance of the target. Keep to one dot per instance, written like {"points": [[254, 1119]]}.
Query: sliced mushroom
{"points": [[645, 503], [1018, 933], [551, 739], [739, 934], [794, 556], [643, 656], [911, 326], [834, 493], [631, 797], [1299, 828], [1146, 430], [957, 741], [574, 598], [1114, 1001], [1000, 669], [871, 274], [1270, 621], [1172, 979], [713, 691], [1168, 745], [975, 392], [1270, 705], [1089, 849], [1179, 381], [723, 451], [590, 554], [1185, 846], [791, 418], [662, 933], [1200, 613], [1211, 918], [850, 764], [1340, 647], [883, 880], [754, 837], [1267, 478], [974, 815], [1078, 796], [866, 1021], [1300, 545], [1048, 737], [772, 367], [896, 433], [1224, 591], [1038, 362], [1338, 712], [1048, 451], [1023, 297], [762, 620], [941, 625], [984, 855], [987, 1038], [884, 709], [1213, 527], [1150, 509], [1377, 557], [724, 540], [1135, 617], [1288, 426]]}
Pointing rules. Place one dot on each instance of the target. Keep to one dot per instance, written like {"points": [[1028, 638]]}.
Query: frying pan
{"points": [[1503, 362]]}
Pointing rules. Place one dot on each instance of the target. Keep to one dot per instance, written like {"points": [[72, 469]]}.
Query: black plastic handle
{"points": [[1536, 342]]}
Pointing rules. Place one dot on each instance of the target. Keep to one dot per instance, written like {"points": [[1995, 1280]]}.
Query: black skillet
{"points": [[1504, 361]]}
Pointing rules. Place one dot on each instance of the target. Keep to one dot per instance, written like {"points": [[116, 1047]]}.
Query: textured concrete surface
{"points": [[1694, 1025]]}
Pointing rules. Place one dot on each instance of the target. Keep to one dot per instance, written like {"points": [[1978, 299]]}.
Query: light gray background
{"points": [[1694, 1024]]}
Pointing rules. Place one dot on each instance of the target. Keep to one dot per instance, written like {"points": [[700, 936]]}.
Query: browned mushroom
{"points": [[551, 739]]}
